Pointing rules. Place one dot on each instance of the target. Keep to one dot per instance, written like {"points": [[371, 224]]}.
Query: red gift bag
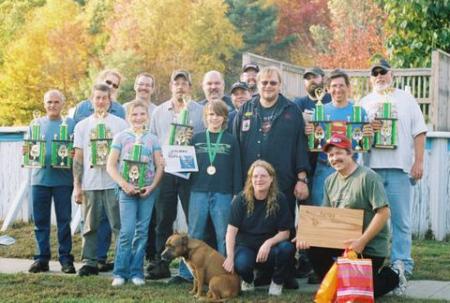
{"points": [[354, 280]]}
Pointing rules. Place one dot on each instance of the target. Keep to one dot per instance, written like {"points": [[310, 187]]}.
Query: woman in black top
{"points": [[258, 230]]}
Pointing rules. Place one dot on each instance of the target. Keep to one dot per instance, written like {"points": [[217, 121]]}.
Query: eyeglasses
{"points": [[272, 83], [382, 72], [110, 83]]}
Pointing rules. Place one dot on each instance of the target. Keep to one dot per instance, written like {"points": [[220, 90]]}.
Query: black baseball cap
{"points": [[383, 64], [316, 71], [237, 85], [250, 65]]}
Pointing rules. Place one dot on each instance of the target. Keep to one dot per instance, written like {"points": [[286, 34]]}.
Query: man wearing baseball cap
{"points": [[357, 187], [239, 95], [398, 167], [249, 72]]}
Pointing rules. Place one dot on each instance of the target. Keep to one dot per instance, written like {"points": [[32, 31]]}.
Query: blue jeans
{"points": [[398, 190], [281, 259], [135, 214], [206, 204], [318, 182], [42, 202]]}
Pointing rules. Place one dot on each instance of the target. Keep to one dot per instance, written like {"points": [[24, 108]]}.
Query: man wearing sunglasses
{"points": [[270, 127], [84, 109], [402, 166]]}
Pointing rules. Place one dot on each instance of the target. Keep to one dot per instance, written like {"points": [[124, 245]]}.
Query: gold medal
{"points": [[211, 170]]}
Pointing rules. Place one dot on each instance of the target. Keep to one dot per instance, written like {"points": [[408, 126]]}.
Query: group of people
{"points": [[254, 169]]}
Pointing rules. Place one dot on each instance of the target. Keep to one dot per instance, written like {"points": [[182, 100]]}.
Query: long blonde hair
{"points": [[272, 205]]}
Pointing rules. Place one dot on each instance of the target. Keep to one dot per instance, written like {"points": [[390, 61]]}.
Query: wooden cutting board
{"points": [[328, 226]]}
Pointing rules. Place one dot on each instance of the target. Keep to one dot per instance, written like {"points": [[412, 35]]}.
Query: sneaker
{"points": [[38, 266], [399, 268], [177, 280], [247, 286], [275, 289], [68, 268], [119, 281], [104, 266], [87, 270], [137, 281]]}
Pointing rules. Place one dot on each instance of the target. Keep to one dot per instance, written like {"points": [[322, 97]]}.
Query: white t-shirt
{"points": [[95, 178], [410, 124]]}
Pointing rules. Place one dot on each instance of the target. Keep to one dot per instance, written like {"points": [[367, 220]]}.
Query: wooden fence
{"points": [[418, 81]]}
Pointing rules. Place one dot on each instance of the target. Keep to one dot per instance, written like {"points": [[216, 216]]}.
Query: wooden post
{"points": [[440, 93]]}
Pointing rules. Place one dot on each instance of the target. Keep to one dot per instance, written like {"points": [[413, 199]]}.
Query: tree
{"points": [[414, 28], [50, 53], [357, 34], [195, 35], [301, 19]]}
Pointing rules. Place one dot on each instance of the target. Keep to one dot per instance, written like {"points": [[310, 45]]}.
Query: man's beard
{"points": [[381, 88], [311, 89]]}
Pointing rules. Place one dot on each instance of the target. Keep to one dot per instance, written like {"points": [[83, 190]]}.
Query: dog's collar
{"points": [[189, 252]]}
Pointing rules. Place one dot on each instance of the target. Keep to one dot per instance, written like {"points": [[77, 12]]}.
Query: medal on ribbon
{"points": [[212, 152]]}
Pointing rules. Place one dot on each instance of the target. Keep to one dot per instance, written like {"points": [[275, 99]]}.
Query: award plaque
{"points": [[34, 146], [355, 128], [101, 139], [386, 136], [62, 147], [134, 169], [316, 138]]}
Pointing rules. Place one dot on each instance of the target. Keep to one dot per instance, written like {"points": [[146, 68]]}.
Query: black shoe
{"points": [[87, 270], [178, 280], [104, 266], [291, 283], [160, 271], [151, 264], [262, 280], [304, 268], [314, 279], [68, 268], [38, 266]]}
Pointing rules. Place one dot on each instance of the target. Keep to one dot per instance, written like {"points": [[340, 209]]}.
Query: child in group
{"points": [[136, 204], [219, 176]]}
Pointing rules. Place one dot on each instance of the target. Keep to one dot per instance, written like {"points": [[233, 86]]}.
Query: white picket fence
{"points": [[430, 207]]}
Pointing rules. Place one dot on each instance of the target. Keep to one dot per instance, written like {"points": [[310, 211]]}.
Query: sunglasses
{"points": [[382, 72], [110, 83], [272, 83]]}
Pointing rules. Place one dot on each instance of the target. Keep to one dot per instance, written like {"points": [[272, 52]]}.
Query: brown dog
{"points": [[206, 265]]}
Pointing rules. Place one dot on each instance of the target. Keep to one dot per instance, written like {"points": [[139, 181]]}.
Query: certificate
{"points": [[179, 158]]}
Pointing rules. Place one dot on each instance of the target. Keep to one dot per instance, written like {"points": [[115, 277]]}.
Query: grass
{"points": [[431, 257], [56, 288]]}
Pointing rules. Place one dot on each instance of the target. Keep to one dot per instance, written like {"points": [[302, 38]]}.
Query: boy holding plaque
{"points": [[140, 160], [93, 187], [47, 183], [219, 176]]}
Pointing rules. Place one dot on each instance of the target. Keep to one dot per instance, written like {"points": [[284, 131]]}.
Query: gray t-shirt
{"points": [[95, 178], [164, 115], [363, 189]]}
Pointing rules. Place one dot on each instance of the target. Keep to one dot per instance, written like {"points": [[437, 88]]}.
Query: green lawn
{"points": [[432, 263]]}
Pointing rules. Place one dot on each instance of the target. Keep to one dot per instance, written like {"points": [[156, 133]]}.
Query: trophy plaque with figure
{"points": [[386, 136], [100, 140], [62, 147], [180, 130], [134, 169], [34, 146], [355, 128], [317, 137]]}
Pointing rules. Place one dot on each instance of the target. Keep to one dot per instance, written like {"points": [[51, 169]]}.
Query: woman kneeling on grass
{"points": [[258, 230], [135, 204]]}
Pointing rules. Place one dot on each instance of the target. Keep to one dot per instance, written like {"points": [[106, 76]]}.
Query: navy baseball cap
{"points": [[316, 71], [250, 65], [239, 84]]}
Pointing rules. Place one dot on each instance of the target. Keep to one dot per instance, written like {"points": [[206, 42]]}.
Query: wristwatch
{"points": [[304, 180]]}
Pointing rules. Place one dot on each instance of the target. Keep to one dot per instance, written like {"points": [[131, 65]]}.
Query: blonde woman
{"points": [[135, 205], [258, 230]]}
